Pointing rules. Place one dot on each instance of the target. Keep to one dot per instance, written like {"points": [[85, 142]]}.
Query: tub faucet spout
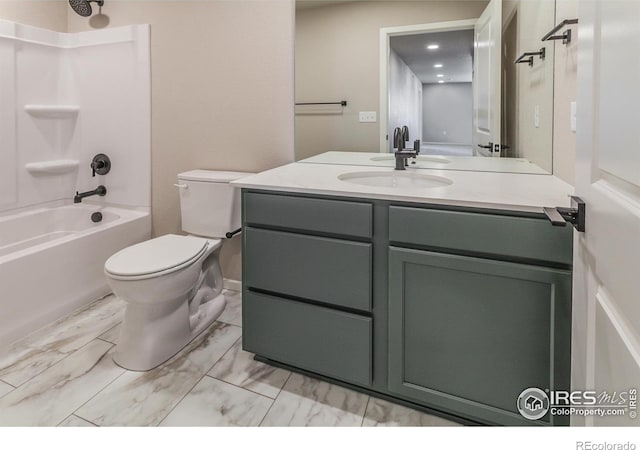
{"points": [[100, 190]]}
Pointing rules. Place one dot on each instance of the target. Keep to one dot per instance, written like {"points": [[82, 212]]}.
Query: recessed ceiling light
{"points": [[433, 47], [441, 81], [437, 66], [440, 75]]}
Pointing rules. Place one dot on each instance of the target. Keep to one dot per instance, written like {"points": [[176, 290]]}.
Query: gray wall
{"points": [[447, 112], [405, 99]]}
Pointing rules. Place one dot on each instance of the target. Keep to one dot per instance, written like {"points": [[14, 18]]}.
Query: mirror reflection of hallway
{"points": [[342, 53], [430, 90]]}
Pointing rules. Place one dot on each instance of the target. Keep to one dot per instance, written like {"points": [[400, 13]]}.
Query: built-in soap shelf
{"points": [[52, 111], [52, 167]]}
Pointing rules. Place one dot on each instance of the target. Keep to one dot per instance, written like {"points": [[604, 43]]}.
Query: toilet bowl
{"points": [[172, 284], [173, 289]]}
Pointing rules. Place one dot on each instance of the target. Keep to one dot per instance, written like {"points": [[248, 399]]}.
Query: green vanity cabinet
{"points": [[307, 289], [453, 310], [470, 334], [480, 294]]}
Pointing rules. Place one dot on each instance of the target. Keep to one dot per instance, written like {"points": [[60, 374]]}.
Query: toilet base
{"points": [[163, 336]]}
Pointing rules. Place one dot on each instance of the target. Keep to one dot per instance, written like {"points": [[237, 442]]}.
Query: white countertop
{"points": [[507, 191], [423, 161]]}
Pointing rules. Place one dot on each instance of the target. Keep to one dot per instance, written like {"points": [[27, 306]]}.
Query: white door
{"points": [[487, 80], [606, 299]]}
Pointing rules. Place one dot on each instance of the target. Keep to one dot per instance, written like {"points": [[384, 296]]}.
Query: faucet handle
{"points": [[100, 164], [97, 166]]}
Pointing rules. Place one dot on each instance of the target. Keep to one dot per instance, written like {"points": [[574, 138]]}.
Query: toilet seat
{"points": [[156, 257]]}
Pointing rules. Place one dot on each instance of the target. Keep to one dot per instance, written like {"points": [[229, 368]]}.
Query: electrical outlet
{"points": [[368, 117], [573, 116], [536, 116]]}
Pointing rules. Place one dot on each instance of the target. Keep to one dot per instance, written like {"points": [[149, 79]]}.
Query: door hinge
{"points": [[575, 215]]}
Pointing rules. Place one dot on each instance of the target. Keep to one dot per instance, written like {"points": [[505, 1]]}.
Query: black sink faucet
{"points": [[401, 154], [100, 190], [401, 158]]}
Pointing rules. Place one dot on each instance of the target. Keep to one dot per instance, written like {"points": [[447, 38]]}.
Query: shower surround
{"points": [[65, 97]]}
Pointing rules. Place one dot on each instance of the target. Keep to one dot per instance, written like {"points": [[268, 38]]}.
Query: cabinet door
{"points": [[468, 335]]}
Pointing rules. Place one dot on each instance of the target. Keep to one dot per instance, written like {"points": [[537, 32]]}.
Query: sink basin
{"points": [[396, 179], [419, 158]]}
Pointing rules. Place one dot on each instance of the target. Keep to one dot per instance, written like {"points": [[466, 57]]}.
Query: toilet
{"points": [[172, 285]]}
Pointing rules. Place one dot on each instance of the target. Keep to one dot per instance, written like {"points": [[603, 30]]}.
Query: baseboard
{"points": [[232, 285]]}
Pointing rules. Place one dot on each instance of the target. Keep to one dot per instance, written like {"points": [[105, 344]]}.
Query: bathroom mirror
{"points": [[340, 81]]}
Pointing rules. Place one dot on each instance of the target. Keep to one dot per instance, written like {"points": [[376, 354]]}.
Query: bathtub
{"points": [[52, 259]]}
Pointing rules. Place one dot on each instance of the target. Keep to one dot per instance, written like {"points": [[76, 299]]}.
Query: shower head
{"points": [[83, 7]]}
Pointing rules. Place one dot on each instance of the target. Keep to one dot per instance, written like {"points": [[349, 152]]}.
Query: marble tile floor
{"points": [[63, 375]]}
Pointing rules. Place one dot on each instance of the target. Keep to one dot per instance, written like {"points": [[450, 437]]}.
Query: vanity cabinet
{"points": [[471, 334], [307, 283], [453, 309]]}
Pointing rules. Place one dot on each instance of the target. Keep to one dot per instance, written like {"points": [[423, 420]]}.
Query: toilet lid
{"points": [[155, 255]]}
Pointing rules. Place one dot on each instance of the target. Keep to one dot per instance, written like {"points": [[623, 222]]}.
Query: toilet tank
{"points": [[209, 205]]}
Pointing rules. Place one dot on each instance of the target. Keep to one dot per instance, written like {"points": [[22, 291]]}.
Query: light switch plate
{"points": [[536, 116], [368, 116], [573, 116]]}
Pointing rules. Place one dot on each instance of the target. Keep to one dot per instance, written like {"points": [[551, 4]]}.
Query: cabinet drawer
{"points": [[309, 214], [322, 340], [315, 268], [487, 234]]}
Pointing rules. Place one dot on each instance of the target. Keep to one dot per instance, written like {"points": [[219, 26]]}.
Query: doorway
{"points": [[426, 84], [509, 126]]}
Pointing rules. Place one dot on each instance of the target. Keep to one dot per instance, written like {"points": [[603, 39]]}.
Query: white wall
{"points": [[113, 84], [222, 87], [51, 15], [535, 84], [405, 99], [8, 148], [565, 91], [447, 113], [222, 92], [105, 75]]}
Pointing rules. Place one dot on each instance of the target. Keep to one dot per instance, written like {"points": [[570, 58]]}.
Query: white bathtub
{"points": [[52, 259]]}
